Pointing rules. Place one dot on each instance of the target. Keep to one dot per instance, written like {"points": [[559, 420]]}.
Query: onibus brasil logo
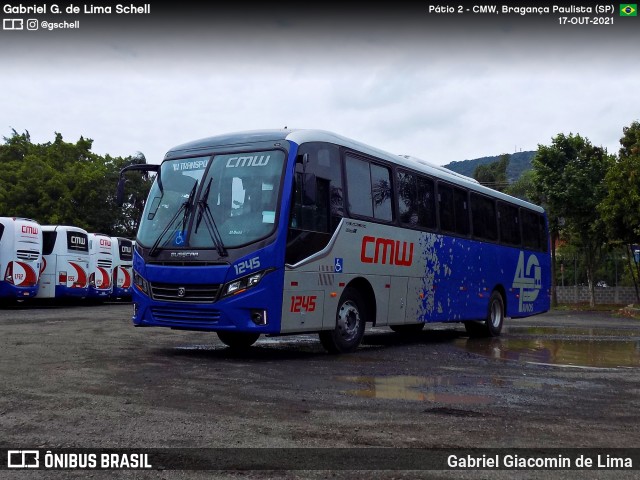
{"points": [[529, 280]]}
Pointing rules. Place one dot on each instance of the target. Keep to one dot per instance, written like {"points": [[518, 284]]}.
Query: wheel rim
{"points": [[496, 314], [348, 320]]}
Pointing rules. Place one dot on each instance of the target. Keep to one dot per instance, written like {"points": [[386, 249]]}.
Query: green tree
{"points": [[620, 209], [493, 175], [569, 177], [65, 183], [524, 188]]}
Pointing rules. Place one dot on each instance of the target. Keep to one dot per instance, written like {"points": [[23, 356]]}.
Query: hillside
{"points": [[519, 162]]}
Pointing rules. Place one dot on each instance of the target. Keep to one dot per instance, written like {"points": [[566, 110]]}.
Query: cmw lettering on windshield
{"points": [[248, 161], [529, 280]]}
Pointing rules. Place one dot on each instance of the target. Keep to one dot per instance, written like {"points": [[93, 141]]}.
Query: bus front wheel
{"points": [[350, 324], [238, 340], [492, 325]]}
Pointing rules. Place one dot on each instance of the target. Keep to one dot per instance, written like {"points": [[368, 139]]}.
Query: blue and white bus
{"points": [[20, 257], [296, 231]]}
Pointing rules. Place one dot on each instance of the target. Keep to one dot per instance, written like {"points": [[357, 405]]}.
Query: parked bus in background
{"points": [[100, 266], [65, 262], [297, 231], [20, 257], [122, 250]]}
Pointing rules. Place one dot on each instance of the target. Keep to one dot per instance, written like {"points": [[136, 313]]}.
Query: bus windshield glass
{"points": [[237, 200]]}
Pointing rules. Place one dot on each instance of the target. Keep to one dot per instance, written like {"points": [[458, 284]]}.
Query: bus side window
{"points": [[484, 218], [369, 189], [317, 205], [416, 206], [426, 203], [533, 230], [48, 242], [317, 200], [460, 204], [509, 225]]}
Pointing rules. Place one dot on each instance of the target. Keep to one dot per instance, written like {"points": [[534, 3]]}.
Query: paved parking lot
{"points": [[83, 376]]}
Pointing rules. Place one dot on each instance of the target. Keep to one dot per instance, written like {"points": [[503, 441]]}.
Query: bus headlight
{"points": [[242, 284], [140, 283]]}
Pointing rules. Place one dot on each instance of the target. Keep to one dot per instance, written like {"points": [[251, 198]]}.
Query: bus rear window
{"points": [[77, 242]]}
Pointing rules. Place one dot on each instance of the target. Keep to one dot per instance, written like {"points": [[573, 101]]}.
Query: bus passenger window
{"points": [[359, 187], [447, 212], [426, 203], [509, 225], [416, 200], [533, 230], [484, 219], [408, 199], [369, 189], [461, 211]]}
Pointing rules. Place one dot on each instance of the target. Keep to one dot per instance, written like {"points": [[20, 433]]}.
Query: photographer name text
{"points": [[71, 9]]}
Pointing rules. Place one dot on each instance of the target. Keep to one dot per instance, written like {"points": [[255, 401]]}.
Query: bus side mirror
{"points": [[141, 167], [120, 191]]}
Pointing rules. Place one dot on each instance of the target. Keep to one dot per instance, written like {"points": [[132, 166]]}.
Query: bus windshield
{"points": [[236, 201]]}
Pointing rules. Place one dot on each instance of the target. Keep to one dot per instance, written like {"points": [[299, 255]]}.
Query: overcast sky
{"points": [[405, 83]]}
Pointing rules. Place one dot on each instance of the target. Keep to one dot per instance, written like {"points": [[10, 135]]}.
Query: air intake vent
{"points": [[171, 292]]}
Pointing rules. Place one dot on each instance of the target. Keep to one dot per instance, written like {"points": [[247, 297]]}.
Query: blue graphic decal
{"points": [[337, 266], [179, 238]]}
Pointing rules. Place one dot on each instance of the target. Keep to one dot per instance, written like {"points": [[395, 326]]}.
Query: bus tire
{"points": [[407, 329], [238, 340], [350, 324], [492, 325]]}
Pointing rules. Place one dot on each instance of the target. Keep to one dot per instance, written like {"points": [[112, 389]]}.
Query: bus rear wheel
{"points": [[350, 324], [237, 340], [492, 325]]}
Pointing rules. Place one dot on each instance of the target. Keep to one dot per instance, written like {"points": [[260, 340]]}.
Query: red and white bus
{"points": [[100, 266], [20, 257], [122, 250], [65, 258]]}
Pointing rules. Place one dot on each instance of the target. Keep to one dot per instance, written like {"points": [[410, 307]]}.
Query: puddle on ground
{"points": [[560, 331], [577, 352], [416, 388], [199, 347]]}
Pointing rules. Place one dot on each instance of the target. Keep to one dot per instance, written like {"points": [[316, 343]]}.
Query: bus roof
{"points": [[300, 136], [52, 228]]}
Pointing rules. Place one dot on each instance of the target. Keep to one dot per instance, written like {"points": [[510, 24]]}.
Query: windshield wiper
{"points": [[186, 207], [205, 211]]}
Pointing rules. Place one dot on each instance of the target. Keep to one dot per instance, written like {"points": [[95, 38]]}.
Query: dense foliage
{"points": [[65, 183]]}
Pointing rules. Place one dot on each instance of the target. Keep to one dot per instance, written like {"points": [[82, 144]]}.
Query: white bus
{"points": [[122, 249], [100, 266], [65, 258], [20, 257]]}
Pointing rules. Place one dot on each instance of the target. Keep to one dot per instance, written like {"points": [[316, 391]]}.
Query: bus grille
{"points": [[171, 292], [104, 263], [27, 254], [184, 316]]}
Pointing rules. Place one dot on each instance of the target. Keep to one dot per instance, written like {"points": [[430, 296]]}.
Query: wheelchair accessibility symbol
{"points": [[179, 239], [337, 266]]}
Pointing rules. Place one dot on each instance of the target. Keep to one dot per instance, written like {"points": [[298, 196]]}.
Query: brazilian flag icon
{"points": [[629, 10]]}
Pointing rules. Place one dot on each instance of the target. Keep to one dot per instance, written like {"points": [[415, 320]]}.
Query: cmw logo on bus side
{"points": [[529, 281]]}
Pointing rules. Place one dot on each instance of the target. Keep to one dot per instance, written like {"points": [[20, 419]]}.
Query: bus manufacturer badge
{"points": [[182, 291]]}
